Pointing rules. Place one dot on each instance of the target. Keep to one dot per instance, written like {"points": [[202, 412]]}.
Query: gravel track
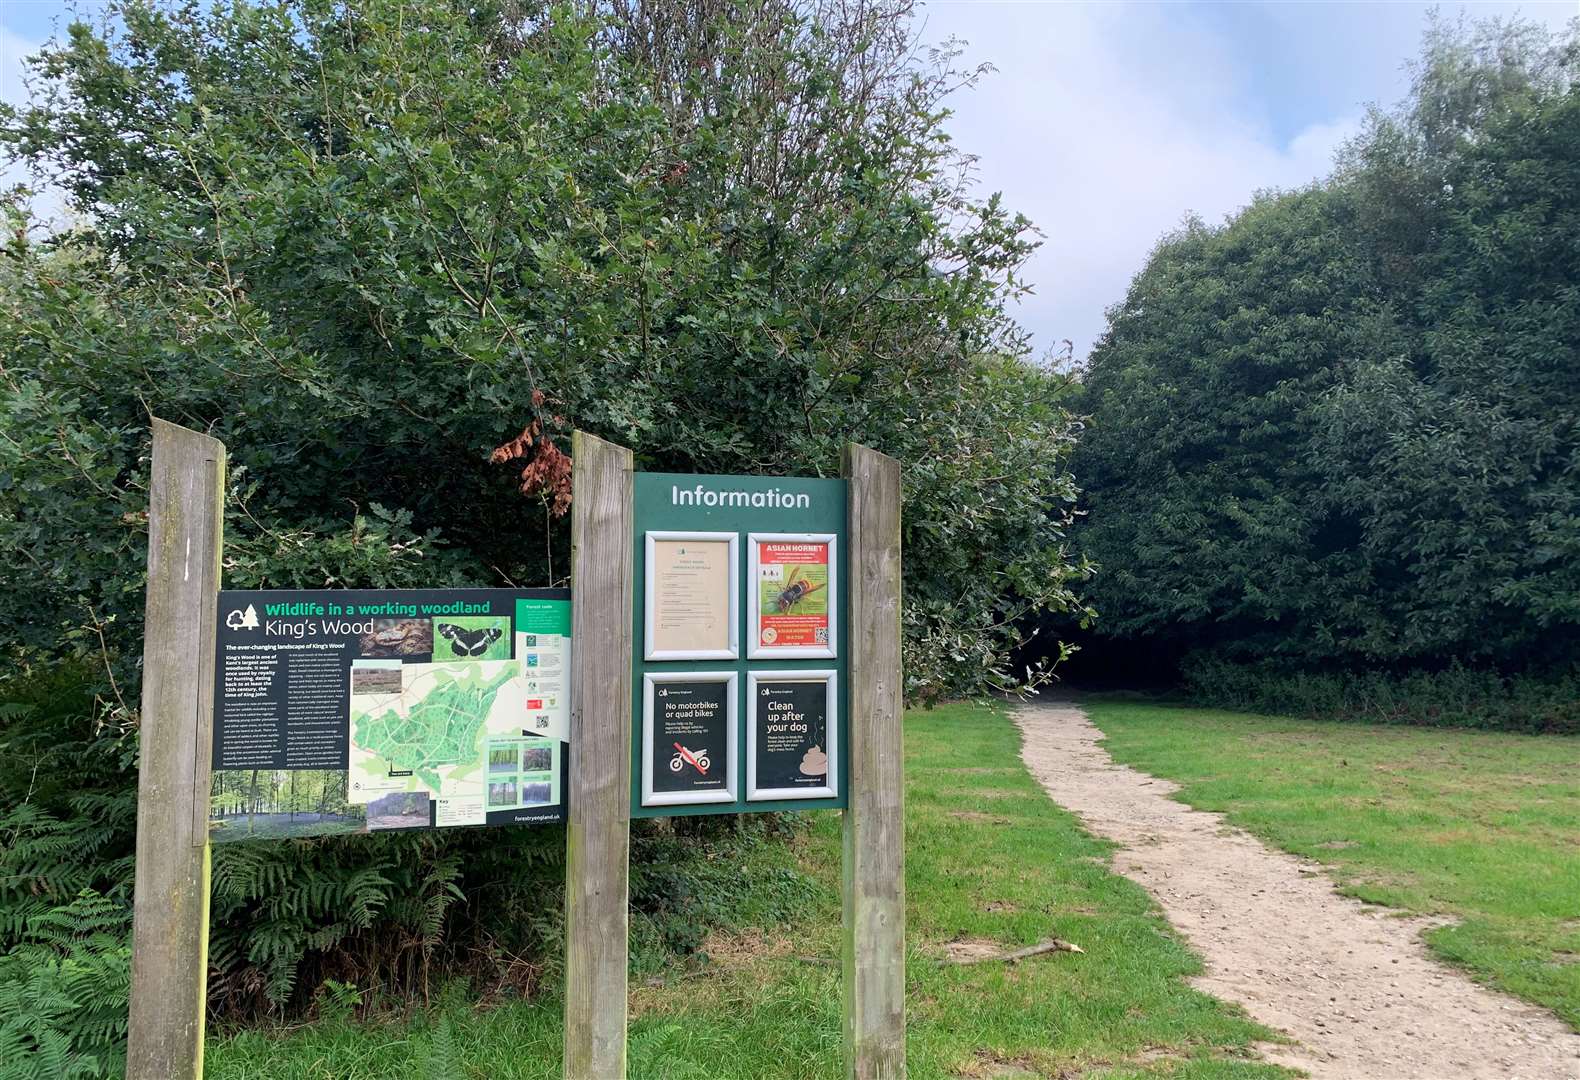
{"points": [[1353, 984]]}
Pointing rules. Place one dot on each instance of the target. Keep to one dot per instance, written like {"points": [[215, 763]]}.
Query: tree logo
{"points": [[243, 620]]}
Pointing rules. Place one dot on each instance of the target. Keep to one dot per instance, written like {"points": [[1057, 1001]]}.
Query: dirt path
{"points": [[1352, 983]]}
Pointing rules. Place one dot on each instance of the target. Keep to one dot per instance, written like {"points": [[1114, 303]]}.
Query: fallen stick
{"points": [[1051, 945]]}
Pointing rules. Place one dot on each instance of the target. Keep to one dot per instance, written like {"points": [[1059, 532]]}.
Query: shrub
{"points": [[1453, 697]]}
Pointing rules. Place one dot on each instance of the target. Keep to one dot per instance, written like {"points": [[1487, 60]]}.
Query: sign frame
{"points": [[768, 505], [755, 649], [829, 678], [650, 540], [730, 792]]}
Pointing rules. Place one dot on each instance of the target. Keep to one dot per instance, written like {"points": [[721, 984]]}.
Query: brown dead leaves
{"points": [[547, 469]]}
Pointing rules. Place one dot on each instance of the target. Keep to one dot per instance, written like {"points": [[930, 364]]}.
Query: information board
{"points": [[784, 598], [794, 595], [692, 586], [343, 711]]}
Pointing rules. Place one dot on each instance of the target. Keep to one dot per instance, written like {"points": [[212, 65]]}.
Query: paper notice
{"points": [[691, 596]]}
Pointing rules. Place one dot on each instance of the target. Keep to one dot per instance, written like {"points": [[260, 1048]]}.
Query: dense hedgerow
{"points": [[1455, 697]]}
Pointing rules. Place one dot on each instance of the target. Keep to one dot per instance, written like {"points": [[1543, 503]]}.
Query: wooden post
{"points": [[170, 902], [598, 838], [874, 863]]}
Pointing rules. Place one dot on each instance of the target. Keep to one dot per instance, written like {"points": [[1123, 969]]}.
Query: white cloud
{"points": [[1107, 124], [13, 48], [49, 203]]}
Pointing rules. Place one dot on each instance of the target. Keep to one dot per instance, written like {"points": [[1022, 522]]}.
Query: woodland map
{"points": [[440, 726]]}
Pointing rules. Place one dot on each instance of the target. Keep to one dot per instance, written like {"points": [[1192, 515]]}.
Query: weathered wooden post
{"points": [[170, 915], [874, 863], [599, 834]]}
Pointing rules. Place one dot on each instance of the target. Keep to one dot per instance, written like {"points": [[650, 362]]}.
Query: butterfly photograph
{"points": [[482, 637]]}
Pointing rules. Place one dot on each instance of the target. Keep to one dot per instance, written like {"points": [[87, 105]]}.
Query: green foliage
{"points": [[678, 896], [1454, 697], [67, 818], [1339, 430], [67, 799], [64, 988], [365, 245]]}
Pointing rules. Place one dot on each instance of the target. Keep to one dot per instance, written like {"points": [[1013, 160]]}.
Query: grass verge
{"points": [[989, 859], [1482, 827]]}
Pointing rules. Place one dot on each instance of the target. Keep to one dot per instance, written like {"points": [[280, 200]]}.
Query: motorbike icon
{"points": [[683, 757]]}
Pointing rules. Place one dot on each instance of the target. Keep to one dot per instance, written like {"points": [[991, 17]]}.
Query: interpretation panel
{"points": [[352, 710]]}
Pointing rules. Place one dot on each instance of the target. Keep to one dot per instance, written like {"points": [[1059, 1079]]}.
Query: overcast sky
{"points": [[1106, 123]]}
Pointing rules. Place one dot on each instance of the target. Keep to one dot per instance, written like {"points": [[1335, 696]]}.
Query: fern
{"points": [[64, 991], [662, 1051], [443, 1056]]}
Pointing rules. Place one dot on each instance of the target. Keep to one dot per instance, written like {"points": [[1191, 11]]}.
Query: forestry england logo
{"points": [[243, 620]]}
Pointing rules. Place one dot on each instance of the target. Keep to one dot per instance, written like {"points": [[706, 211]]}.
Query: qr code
{"points": [[822, 635]]}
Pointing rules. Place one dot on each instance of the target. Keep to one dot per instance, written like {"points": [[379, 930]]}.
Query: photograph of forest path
{"points": [[1230, 356]]}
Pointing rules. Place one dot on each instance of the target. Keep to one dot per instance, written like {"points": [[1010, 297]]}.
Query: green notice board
{"points": [[741, 644]]}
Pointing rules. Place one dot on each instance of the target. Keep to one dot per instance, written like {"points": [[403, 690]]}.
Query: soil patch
{"points": [[1352, 983], [991, 1065], [743, 948], [972, 948], [978, 816]]}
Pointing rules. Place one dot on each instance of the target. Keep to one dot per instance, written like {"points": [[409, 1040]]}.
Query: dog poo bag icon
{"points": [[243, 620], [684, 757]]}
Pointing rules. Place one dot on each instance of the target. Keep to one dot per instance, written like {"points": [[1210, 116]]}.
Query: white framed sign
{"points": [[688, 738], [794, 605], [692, 607], [792, 735]]}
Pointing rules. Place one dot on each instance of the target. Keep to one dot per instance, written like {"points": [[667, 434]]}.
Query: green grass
{"points": [[988, 856], [1483, 827]]}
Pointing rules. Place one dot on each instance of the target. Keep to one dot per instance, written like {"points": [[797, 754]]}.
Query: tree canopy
{"points": [[392, 253], [1343, 427]]}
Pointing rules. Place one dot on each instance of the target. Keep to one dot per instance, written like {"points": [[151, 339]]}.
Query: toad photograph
{"points": [[400, 638]]}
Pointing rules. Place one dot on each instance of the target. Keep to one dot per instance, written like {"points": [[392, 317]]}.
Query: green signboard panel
{"points": [[361, 710], [739, 691]]}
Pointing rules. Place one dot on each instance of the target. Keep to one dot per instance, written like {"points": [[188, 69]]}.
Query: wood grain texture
{"points": [[170, 907], [874, 835], [599, 799]]}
